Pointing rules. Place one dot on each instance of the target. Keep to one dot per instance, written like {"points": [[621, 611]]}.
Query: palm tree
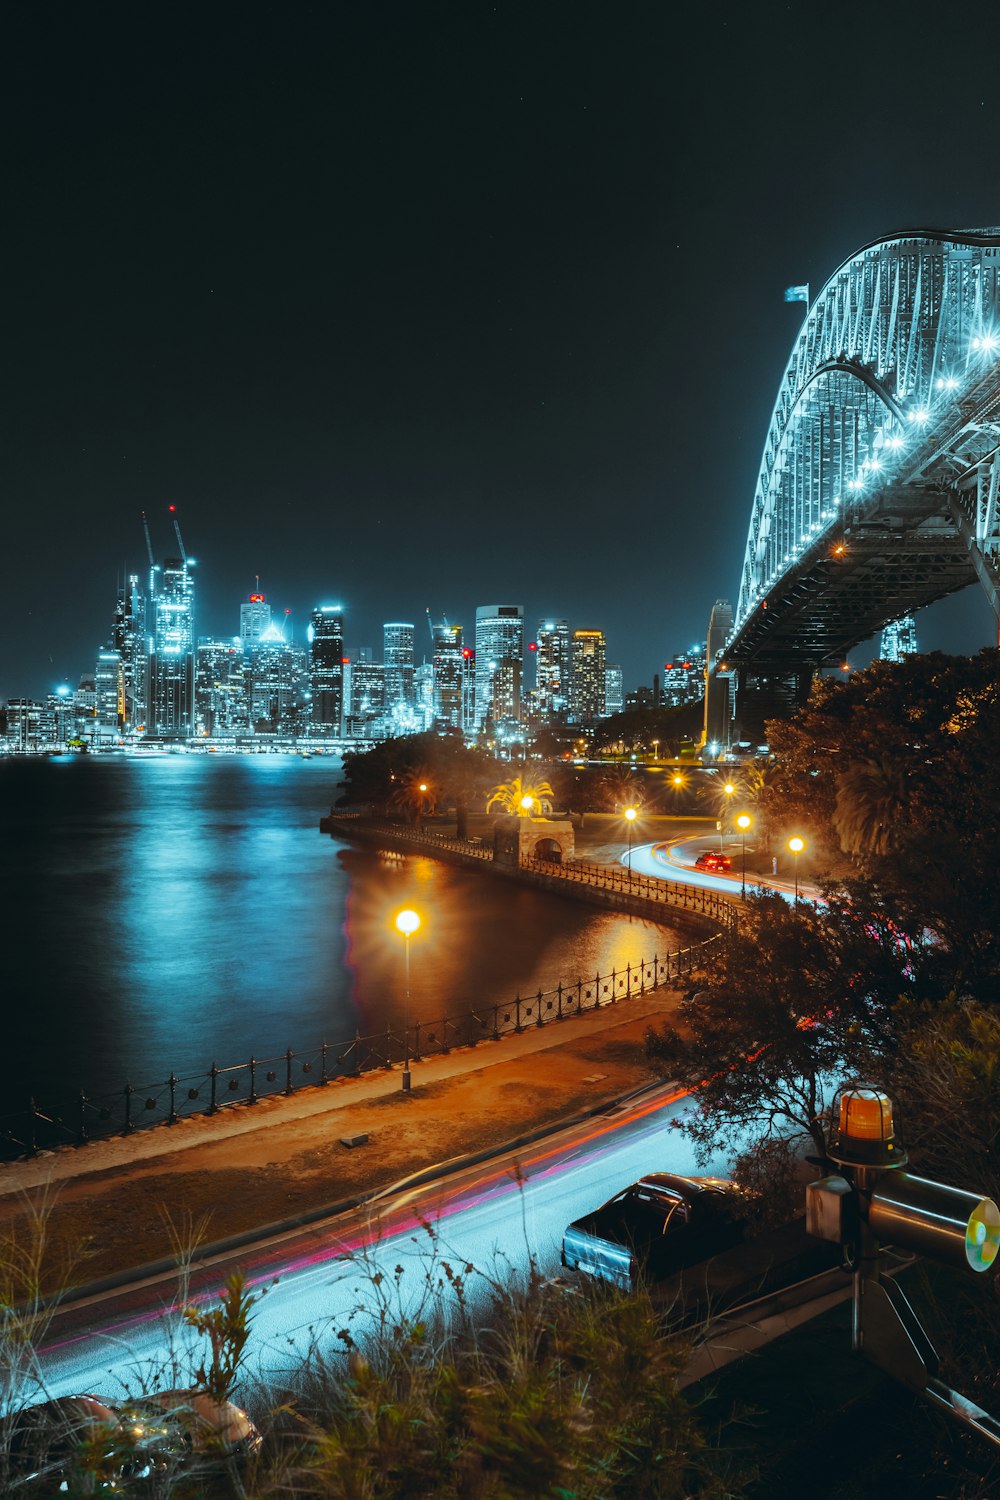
{"points": [[872, 803], [521, 798], [414, 794]]}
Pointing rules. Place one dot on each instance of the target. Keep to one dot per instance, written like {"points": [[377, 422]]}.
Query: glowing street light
{"points": [[526, 804], [796, 845], [743, 822], [631, 814], [729, 791], [407, 922]]}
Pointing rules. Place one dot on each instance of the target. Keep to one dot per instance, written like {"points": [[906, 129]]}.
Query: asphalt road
{"points": [[497, 1216]]}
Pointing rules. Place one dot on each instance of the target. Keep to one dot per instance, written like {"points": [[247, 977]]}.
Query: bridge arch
{"points": [[878, 485]]}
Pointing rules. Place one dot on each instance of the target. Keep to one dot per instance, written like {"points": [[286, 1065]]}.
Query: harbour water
{"points": [[163, 913]]}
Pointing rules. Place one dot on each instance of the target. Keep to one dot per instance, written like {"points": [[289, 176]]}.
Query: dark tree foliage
{"points": [[896, 767], [456, 776], [638, 728], [796, 1001]]}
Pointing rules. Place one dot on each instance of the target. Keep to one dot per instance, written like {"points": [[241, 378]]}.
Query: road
{"points": [[496, 1216], [673, 859]]}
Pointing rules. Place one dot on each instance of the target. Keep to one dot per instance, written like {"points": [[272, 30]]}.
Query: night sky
{"points": [[412, 305]]}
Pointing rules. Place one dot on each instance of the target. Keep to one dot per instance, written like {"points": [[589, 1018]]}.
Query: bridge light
{"points": [[946, 382], [919, 414], [894, 442]]}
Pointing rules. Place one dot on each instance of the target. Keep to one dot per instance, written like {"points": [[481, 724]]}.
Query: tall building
{"points": [[448, 665], [499, 659], [109, 685], [326, 668], [171, 666], [397, 657], [553, 667], [899, 639], [275, 670], [588, 690], [255, 617], [614, 691], [128, 638], [364, 697], [719, 686], [221, 704]]}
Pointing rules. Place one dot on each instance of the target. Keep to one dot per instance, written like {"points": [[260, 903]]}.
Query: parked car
{"points": [[185, 1424], [712, 861], [656, 1226], [68, 1444]]}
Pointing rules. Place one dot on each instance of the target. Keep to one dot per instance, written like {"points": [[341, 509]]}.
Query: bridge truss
{"points": [[878, 487]]}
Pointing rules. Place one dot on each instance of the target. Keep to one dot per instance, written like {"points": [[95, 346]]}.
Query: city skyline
{"points": [[428, 306]]}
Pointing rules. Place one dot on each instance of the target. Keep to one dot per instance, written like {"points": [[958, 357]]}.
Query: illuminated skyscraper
{"points": [[899, 639], [171, 667], [499, 661], [397, 657], [552, 667], [255, 617], [326, 668], [128, 638], [614, 691], [449, 668], [222, 708], [588, 692], [276, 677], [109, 685]]}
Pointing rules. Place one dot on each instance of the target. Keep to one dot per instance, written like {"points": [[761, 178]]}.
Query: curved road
{"points": [[673, 859]]}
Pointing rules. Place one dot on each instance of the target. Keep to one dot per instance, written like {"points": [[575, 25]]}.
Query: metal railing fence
{"points": [[89, 1117]]}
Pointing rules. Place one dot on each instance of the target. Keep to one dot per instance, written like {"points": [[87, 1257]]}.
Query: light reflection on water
{"points": [[165, 913]]}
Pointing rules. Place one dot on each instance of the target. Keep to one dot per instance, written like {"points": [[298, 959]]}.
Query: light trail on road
{"points": [[499, 1217]]}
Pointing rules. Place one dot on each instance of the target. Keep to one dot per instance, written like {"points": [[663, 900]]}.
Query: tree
{"points": [[796, 1000], [521, 798], [871, 809]]}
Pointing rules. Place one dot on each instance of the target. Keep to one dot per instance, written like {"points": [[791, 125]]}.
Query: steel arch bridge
{"points": [[878, 488]]}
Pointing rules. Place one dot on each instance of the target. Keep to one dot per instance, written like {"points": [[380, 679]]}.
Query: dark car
{"points": [[58, 1445], [710, 861], [656, 1226]]}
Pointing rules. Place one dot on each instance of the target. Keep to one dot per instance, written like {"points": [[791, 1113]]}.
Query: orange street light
{"points": [[743, 822], [796, 845], [407, 922]]}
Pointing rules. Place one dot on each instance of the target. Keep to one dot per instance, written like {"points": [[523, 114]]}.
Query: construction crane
{"points": [[430, 625], [149, 544], [177, 532]]}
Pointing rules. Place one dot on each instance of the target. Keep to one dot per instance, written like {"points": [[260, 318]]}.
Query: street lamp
{"points": [[656, 747], [407, 923], [526, 804], [728, 790], [743, 823], [796, 845], [631, 814]]}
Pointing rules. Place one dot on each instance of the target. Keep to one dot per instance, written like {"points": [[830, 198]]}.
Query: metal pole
{"points": [[406, 1022], [743, 888]]}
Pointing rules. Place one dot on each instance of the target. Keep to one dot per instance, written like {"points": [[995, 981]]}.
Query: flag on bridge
{"points": [[797, 294]]}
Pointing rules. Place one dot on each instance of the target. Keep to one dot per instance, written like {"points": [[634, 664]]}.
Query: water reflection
{"points": [[171, 912]]}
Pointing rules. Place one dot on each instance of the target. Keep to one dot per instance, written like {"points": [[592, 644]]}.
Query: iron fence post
{"points": [[128, 1107], [517, 1002], [416, 1042], [32, 1131], [559, 1014], [172, 1117], [357, 1053], [496, 1023], [213, 1074], [82, 1126], [388, 1047], [253, 1080], [288, 1070], [614, 986], [323, 1074], [538, 1018]]}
